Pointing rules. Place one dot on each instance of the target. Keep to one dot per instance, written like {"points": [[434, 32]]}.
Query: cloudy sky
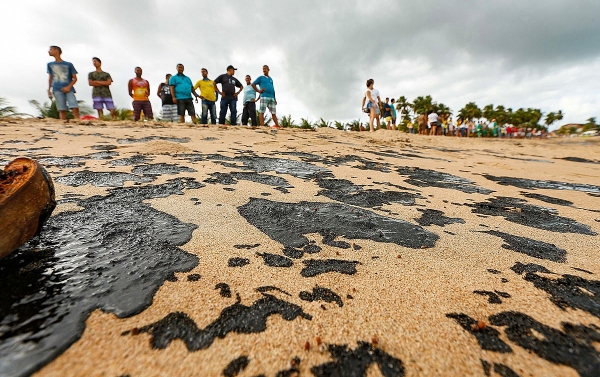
{"points": [[542, 54]]}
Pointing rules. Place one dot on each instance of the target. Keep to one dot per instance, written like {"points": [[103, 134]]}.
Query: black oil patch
{"points": [[343, 190], [518, 211], [268, 288], [493, 297], [488, 338], [137, 159], [274, 260], [287, 223], [150, 138], [87, 260], [487, 367], [236, 366], [573, 346], [431, 178], [103, 147], [100, 179], [63, 162], [568, 291], [224, 289], [237, 318], [519, 268], [533, 248], [435, 217], [356, 362], [246, 246], [541, 184], [294, 168], [233, 178], [314, 267], [582, 270], [547, 199], [329, 240], [104, 155], [193, 277], [238, 262], [579, 159], [321, 294], [162, 168], [504, 370], [493, 271]]}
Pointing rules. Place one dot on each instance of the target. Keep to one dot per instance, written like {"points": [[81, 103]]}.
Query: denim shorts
{"points": [[370, 106], [63, 98]]}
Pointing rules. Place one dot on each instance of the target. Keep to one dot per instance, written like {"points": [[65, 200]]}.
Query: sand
{"points": [[396, 306]]}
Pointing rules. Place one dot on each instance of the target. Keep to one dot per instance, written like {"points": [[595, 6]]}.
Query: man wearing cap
{"points": [[228, 94], [267, 96]]}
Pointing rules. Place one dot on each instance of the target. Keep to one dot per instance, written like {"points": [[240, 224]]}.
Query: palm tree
{"points": [[49, 110], [403, 106], [469, 112], [489, 112], [423, 104], [8, 111], [550, 118], [322, 123]]}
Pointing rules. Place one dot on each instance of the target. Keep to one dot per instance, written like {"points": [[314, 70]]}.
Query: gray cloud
{"points": [[517, 53]]}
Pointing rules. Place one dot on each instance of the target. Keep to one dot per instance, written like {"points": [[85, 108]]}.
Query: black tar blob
{"points": [[116, 247], [321, 294], [488, 338], [288, 222], [533, 248], [237, 318]]}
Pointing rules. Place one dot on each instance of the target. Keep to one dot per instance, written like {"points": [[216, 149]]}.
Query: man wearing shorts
{"points": [[182, 90], [267, 96], [249, 103], [208, 95], [101, 96], [228, 94], [394, 114], [169, 109], [387, 114], [139, 90], [433, 122], [422, 121], [61, 78]]}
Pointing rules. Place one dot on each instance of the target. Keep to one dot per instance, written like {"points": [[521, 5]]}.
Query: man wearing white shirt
{"points": [[433, 122]]}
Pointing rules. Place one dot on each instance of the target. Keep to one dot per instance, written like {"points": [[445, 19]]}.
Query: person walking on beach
{"points": [[373, 99], [250, 99], [433, 122], [62, 76], [208, 95], [139, 90], [394, 114], [169, 109], [267, 96], [228, 94], [101, 95], [422, 121], [182, 90], [387, 114]]}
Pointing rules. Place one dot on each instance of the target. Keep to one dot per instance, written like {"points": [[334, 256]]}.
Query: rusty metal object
{"points": [[26, 202]]}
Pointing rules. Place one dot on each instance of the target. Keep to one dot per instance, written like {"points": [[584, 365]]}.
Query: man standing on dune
{"points": [[208, 95], [101, 95], [181, 91], [139, 90], [267, 96], [249, 104], [228, 94], [61, 78]]}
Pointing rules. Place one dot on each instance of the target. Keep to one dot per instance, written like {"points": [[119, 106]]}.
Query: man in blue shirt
{"points": [[181, 91], [61, 78], [249, 104], [267, 96]]}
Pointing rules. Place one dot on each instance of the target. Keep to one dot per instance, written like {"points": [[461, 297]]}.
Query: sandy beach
{"points": [[179, 250]]}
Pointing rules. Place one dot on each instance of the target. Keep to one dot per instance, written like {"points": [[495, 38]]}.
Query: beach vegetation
{"points": [[49, 109], [287, 121], [7, 111]]}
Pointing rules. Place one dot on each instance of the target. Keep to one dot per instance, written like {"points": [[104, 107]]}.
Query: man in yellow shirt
{"points": [[208, 96]]}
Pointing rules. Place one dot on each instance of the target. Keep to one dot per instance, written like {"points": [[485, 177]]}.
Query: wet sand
{"points": [[196, 251]]}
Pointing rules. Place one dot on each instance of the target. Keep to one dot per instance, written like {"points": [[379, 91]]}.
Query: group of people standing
{"points": [[176, 93]]}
